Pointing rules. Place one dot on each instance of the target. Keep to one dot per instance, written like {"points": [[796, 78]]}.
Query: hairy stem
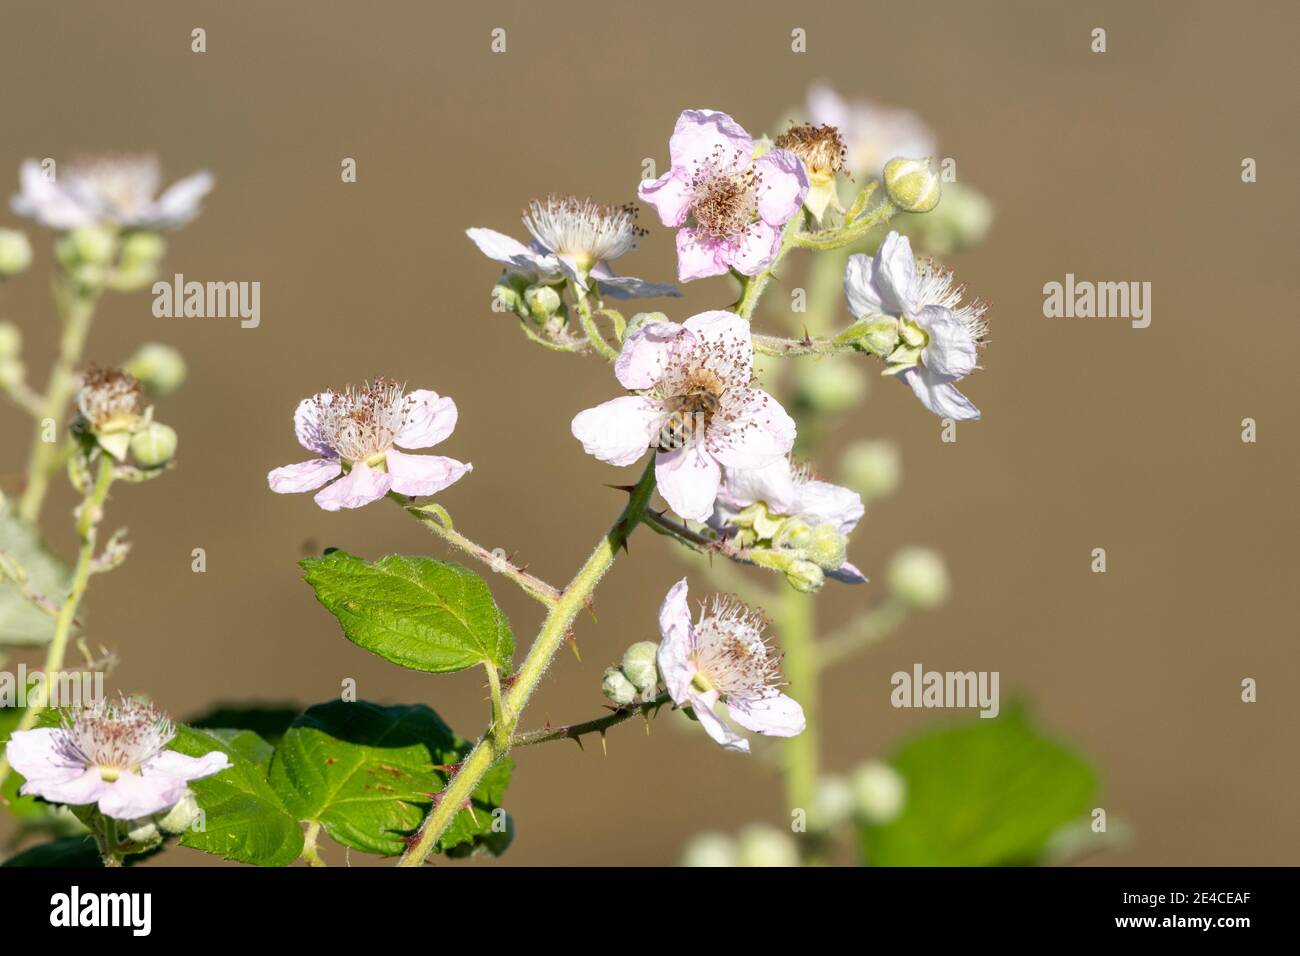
{"points": [[597, 725], [589, 325], [555, 628], [795, 618]]}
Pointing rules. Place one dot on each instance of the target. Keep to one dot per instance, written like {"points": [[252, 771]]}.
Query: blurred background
{"points": [[1116, 166]]}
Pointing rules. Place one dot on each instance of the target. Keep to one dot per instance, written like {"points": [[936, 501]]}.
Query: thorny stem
{"points": [[435, 518], [597, 725], [76, 310], [91, 512], [576, 596]]}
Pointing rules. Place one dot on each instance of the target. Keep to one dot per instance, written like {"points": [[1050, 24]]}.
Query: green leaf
{"points": [[244, 818], [367, 773], [419, 613], [24, 808], [20, 622], [988, 792], [267, 721]]}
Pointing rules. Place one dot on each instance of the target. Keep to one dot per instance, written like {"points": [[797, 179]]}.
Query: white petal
{"points": [[619, 431], [132, 796], [689, 479], [706, 135], [729, 332], [714, 726], [951, 350], [678, 643], [940, 396], [512, 252], [775, 716], [772, 484], [423, 474], [430, 418], [304, 476], [859, 287], [896, 277], [76, 789], [755, 432], [754, 251], [179, 203], [834, 504], [36, 755], [307, 427], [169, 763], [630, 287]]}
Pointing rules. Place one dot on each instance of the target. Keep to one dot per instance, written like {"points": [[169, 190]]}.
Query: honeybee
{"points": [[687, 423]]}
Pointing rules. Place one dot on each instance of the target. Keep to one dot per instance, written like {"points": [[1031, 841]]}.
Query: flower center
{"points": [[361, 423], [725, 195], [123, 185], [731, 656], [115, 738], [586, 231], [821, 148], [110, 398]]}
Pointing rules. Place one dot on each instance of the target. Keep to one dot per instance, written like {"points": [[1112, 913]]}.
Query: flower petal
{"points": [[772, 484], [36, 755], [423, 474], [755, 432], [179, 203], [304, 476], [896, 277], [834, 504], [430, 418], [132, 796], [630, 287], [784, 185], [714, 726], [775, 716], [511, 252], [698, 256], [731, 334], [306, 424], [847, 573], [358, 487], [940, 395], [756, 249], [860, 288], [646, 354], [951, 350], [46, 201], [707, 136], [619, 431], [688, 479], [76, 789], [169, 763], [671, 195], [678, 644]]}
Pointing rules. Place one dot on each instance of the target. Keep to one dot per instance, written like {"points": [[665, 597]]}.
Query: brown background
{"points": [[1122, 166]]}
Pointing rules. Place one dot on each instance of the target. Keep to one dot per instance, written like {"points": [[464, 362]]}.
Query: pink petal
{"points": [[77, 789], [307, 427], [671, 195], [36, 755], [179, 203], [703, 136], [169, 763], [678, 643], [424, 474], [731, 334], [132, 796], [645, 354], [785, 183], [429, 419], [756, 249], [688, 479], [358, 487], [619, 431], [757, 431], [775, 716], [702, 705], [304, 476], [698, 256]]}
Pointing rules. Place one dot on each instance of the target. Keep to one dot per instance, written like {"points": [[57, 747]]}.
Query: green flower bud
{"points": [[95, 245], [617, 687], [509, 291], [12, 373], [154, 445], [642, 319], [11, 341], [130, 278], [180, 817], [879, 792], [710, 849], [875, 334], [160, 368], [761, 845], [805, 576], [872, 468], [918, 578], [15, 252], [912, 185], [142, 249], [794, 534], [543, 301], [827, 547], [831, 385], [833, 803], [641, 665]]}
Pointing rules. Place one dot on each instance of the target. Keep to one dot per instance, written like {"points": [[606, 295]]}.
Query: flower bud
{"points": [[878, 335], [879, 792], [872, 468], [761, 845], [160, 368], [154, 445], [142, 249], [805, 576], [15, 252], [95, 245], [11, 341], [642, 319], [509, 291], [12, 373], [641, 666], [710, 849], [918, 578], [911, 184], [827, 547], [833, 803], [142, 832], [180, 817], [543, 301], [831, 385], [617, 687]]}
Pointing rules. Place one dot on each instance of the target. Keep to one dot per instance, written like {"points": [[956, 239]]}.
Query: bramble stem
{"points": [[596, 725], [576, 596]]}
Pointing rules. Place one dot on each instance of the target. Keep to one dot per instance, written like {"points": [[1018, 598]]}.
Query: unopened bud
{"points": [[640, 665], [827, 547], [15, 252], [180, 817], [95, 245], [872, 468], [11, 341], [160, 368], [142, 249], [918, 577], [912, 185], [805, 576], [154, 445], [710, 849], [833, 803], [543, 301], [617, 687], [879, 792], [761, 845]]}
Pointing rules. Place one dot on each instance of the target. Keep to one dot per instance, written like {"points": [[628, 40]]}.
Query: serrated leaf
{"points": [[988, 792], [367, 774], [419, 613], [20, 622], [244, 818]]}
